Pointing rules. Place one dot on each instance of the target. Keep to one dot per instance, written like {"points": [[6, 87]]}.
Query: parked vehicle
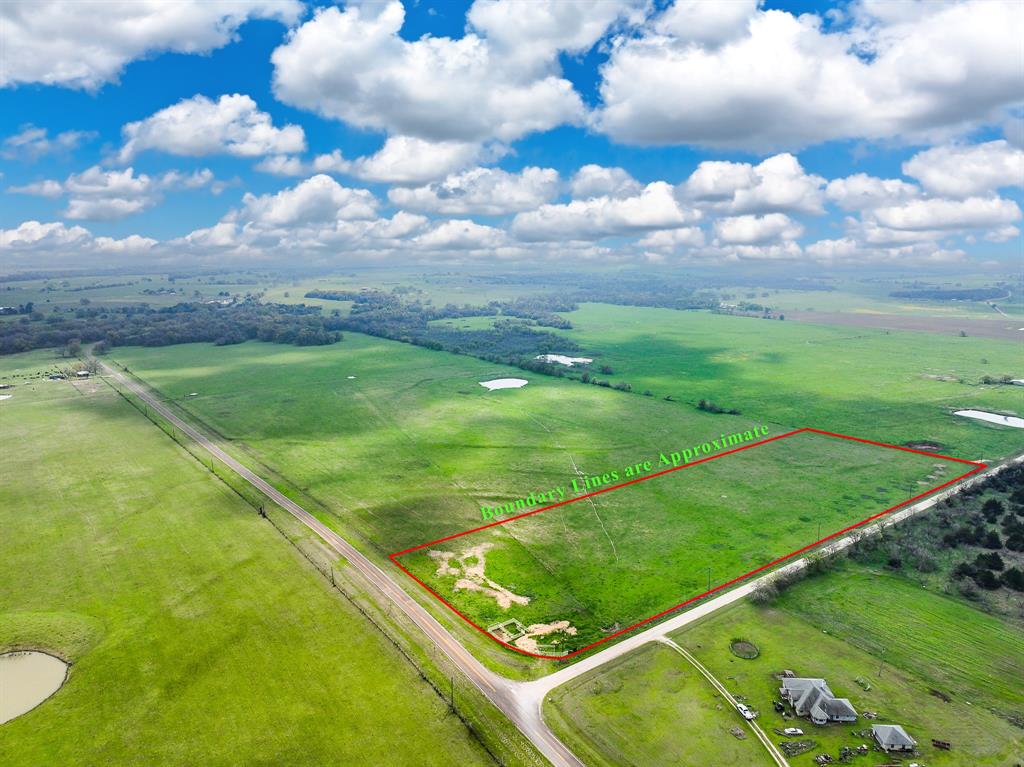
{"points": [[745, 712]]}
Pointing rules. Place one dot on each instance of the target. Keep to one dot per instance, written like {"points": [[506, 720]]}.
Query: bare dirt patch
{"points": [[528, 641], [472, 564]]}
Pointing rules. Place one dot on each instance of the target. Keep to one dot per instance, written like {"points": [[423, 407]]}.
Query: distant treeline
{"points": [[540, 309], [958, 294], [184, 323], [514, 338]]}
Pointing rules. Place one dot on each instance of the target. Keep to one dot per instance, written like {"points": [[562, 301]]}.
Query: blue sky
{"points": [[637, 95]]}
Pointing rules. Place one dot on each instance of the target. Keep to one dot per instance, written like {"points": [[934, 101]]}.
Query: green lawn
{"points": [[930, 643], [197, 635], [954, 647], [650, 709], [888, 386]]}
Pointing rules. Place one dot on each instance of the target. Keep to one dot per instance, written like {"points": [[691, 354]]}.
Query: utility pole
{"points": [[709, 579]]}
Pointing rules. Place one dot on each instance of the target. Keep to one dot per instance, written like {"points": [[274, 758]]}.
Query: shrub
{"points": [[987, 580], [1013, 579], [991, 540], [990, 561]]}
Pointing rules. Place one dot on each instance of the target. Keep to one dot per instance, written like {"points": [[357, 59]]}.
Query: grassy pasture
{"points": [[649, 709], [407, 451], [196, 634], [971, 655], [922, 642], [621, 557], [893, 386], [610, 714]]}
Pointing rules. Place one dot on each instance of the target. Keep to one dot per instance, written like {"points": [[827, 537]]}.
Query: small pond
{"points": [[26, 680]]}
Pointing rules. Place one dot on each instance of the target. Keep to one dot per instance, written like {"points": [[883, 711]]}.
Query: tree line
{"points": [[141, 325], [515, 338]]}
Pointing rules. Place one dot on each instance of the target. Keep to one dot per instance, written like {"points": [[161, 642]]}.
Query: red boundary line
{"points": [[978, 466]]}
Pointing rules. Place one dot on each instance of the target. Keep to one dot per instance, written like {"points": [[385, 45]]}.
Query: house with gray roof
{"points": [[892, 737], [813, 698]]}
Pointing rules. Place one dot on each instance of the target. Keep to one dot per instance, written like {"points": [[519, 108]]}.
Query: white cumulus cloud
{"points": [[968, 170], [198, 126], [317, 199], [481, 191], [599, 181], [353, 65], [756, 230], [939, 214], [861, 191], [85, 43], [655, 207], [776, 80], [778, 184]]}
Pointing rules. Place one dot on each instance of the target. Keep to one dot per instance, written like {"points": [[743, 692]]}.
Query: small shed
{"points": [[82, 373], [892, 737]]}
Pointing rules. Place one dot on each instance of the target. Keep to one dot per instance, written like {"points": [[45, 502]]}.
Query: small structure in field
{"points": [[813, 698], [892, 737], [507, 631], [82, 374]]}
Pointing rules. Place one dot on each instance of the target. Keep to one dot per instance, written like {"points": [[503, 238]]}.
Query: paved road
{"points": [[520, 701], [500, 691], [772, 749]]}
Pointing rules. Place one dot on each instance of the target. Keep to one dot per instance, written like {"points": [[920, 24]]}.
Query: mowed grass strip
{"points": [[196, 634], [650, 709]]}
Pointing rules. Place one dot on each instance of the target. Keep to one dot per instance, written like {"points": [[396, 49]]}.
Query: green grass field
{"points": [[955, 648], [965, 650], [410, 448], [197, 635], [629, 712], [892, 387], [649, 709], [637, 551]]}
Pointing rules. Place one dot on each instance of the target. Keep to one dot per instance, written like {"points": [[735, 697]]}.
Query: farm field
{"points": [[118, 290], [900, 682], [893, 387], [196, 633], [873, 298], [608, 562], [409, 448], [649, 709]]}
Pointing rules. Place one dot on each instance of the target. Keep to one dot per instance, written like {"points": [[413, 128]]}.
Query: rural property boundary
{"points": [[978, 466]]}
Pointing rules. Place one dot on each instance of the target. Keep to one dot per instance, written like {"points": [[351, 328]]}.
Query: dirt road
{"points": [[760, 734]]}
